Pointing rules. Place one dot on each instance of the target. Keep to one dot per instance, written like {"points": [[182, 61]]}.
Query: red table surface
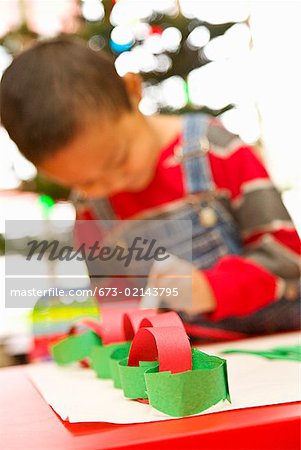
{"points": [[28, 422]]}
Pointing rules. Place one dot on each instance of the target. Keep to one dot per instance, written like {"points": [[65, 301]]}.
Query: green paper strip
{"points": [[191, 392], [75, 348], [119, 354], [100, 358], [179, 394], [291, 353], [132, 378]]}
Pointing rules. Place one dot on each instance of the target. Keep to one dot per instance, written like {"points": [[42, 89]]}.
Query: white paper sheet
{"points": [[78, 396]]}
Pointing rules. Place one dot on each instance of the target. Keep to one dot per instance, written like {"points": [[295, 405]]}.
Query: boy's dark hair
{"points": [[48, 90]]}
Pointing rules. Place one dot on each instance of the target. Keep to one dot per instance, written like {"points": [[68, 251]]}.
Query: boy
{"points": [[71, 115]]}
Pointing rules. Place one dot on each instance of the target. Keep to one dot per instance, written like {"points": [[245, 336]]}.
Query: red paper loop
{"points": [[111, 329], [119, 325], [167, 345], [168, 319], [112, 325], [132, 321]]}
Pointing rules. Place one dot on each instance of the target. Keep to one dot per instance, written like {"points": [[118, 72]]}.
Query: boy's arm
{"points": [[269, 266]]}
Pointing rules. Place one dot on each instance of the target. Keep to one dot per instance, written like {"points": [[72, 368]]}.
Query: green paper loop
{"points": [[178, 394], [100, 358], [191, 392], [75, 347], [132, 378], [119, 354]]}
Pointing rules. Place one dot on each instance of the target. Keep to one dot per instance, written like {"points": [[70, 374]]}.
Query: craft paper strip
{"points": [[132, 378], [286, 353], [168, 319], [112, 325], [118, 355], [75, 348], [100, 358], [169, 345], [132, 320], [190, 392]]}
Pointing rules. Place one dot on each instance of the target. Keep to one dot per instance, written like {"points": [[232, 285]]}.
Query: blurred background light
{"points": [[148, 106], [141, 30], [97, 42], [216, 12], [144, 59], [211, 85], [10, 15], [122, 38], [125, 63], [164, 63], [150, 102], [49, 17], [276, 75], [198, 37], [243, 120], [125, 12], [173, 92], [5, 59], [165, 6], [14, 167], [139, 59], [171, 39], [93, 10], [154, 43], [232, 44]]}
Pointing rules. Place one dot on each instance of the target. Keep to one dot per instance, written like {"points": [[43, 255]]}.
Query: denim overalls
{"points": [[214, 230]]}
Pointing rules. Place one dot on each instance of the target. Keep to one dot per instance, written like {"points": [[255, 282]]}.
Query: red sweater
{"points": [[241, 284]]}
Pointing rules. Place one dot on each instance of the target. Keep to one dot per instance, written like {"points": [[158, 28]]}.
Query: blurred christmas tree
{"points": [[167, 41], [155, 39]]}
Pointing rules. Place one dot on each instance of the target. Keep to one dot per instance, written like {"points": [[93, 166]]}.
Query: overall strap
{"points": [[102, 208], [194, 157]]}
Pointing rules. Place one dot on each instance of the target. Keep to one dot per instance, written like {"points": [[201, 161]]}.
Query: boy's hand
{"points": [[194, 292]]}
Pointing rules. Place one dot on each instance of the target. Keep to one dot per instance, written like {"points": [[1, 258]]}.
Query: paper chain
{"points": [[148, 356]]}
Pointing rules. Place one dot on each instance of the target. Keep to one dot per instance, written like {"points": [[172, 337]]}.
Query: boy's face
{"points": [[107, 156]]}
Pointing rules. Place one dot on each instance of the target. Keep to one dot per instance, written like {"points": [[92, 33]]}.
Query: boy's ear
{"points": [[133, 85]]}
